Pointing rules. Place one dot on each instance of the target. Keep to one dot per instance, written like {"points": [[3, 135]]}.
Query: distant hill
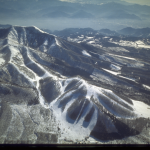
{"points": [[9, 12], [82, 14], [142, 32], [127, 31], [120, 14], [73, 31], [5, 26], [66, 9], [56, 14]]}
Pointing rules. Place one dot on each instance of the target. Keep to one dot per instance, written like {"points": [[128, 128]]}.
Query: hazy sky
{"points": [[141, 2]]}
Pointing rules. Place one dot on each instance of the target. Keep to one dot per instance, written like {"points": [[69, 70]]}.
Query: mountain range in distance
{"points": [[130, 32], [108, 11], [59, 15]]}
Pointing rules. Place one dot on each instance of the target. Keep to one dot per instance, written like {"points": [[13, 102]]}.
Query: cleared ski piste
{"points": [[146, 87], [85, 53], [141, 109], [2, 61], [112, 72]]}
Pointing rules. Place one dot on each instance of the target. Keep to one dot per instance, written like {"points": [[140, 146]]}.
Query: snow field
{"points": [[85, 53]]}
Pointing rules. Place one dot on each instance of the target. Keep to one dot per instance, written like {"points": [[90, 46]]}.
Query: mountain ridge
{"points": [[96, 15]]}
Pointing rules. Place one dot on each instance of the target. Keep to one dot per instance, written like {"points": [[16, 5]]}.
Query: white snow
{"points": [[39, 29], [126, 43], [14, 52], [43, 48], [45, 43], [142, 109], [76, 130], [80, 37], [122, 56], [146, 86], [112, 72], [142, 44], [117, 49], [85, 53], [132, 79], [12, 42], [91, 42], [105, 37], [2, 61], [95, 91], [57, 42], [72, 130], [103, 57], [114, 67], [13, 34], [37, 78], [31, 80], [114, 95], [89, 37], [136, 44], [23, 39]]}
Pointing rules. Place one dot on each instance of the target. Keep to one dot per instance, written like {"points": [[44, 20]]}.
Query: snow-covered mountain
{"points": [[54, 90]]}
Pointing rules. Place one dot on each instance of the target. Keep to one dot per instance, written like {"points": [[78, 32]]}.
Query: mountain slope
{"points": [[52, 88]]}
